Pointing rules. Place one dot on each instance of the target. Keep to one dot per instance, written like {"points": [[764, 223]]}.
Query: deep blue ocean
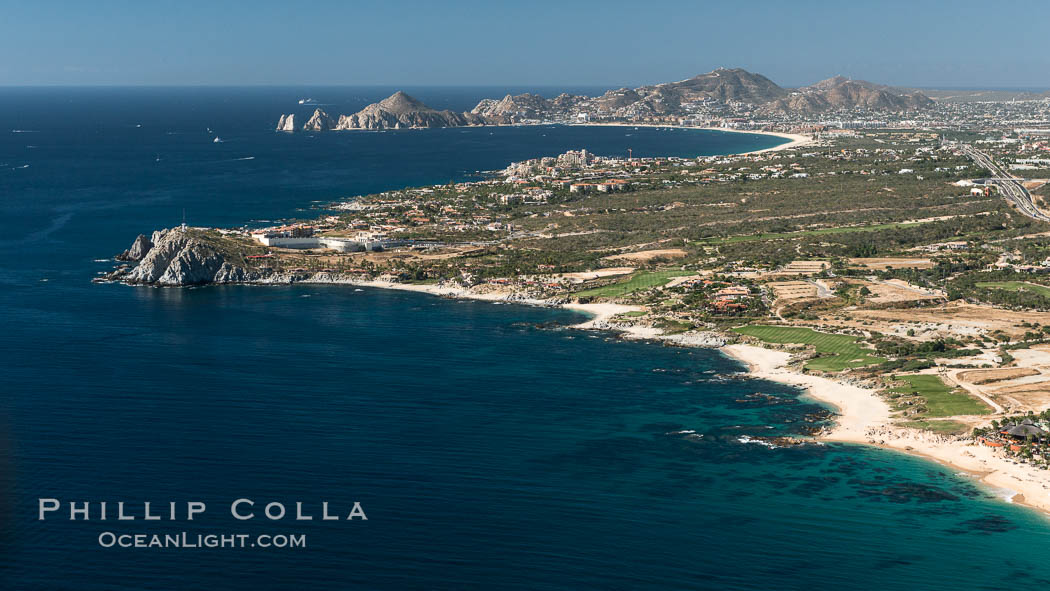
{"points": [[489, 446]]}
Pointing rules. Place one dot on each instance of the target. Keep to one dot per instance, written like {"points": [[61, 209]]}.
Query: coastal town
{"points": [[895, 263]]}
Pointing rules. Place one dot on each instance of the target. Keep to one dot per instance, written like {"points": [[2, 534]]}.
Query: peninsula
{"points": [[723, 97], [896, 263]]}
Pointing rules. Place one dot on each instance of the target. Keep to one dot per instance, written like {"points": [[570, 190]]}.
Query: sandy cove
{"points": [[864, 418], [601, 314], [794, 140]]}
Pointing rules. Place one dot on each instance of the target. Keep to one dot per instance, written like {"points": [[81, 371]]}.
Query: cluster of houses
{"points": [[526, 196], [726, 298], [603, 186]]}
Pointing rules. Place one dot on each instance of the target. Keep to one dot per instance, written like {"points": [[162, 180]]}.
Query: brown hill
{"points": [[842, 93]]}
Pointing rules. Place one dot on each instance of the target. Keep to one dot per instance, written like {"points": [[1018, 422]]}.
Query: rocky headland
{"points": [[398, 111], [176, 258]]}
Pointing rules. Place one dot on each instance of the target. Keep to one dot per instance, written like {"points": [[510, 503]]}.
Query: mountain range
{"points": [[736, 88]]}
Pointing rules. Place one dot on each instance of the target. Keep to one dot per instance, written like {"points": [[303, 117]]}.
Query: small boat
{"points": [[307, 101], [217, 140]]}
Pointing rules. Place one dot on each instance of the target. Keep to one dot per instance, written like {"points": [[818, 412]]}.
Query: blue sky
{"points": [[468, 42]]}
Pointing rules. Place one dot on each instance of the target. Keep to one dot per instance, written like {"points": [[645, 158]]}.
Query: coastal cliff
{"points": [[398, 111], [286, 122], [176, 258], [319, 121], [188, 257]]}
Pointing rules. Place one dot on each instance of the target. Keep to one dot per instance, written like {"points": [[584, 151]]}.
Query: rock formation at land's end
{"points": [[176, 257], [400, 110], [286, 122], [319, 121], [138, 249]]}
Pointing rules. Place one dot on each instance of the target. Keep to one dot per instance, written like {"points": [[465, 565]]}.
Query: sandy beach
{"points": [[601, 314], [794, 140], [864, 418], [858, 408]]}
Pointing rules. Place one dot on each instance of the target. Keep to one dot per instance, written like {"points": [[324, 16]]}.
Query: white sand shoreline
{"points": [[601, 314], [864, 418], [795, 140]]}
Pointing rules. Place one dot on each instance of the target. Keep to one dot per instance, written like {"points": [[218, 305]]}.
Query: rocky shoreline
{"points": [[175, 258]]}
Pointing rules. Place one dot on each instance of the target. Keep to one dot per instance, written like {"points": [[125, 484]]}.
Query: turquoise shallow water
{"points": [[490, 446]]}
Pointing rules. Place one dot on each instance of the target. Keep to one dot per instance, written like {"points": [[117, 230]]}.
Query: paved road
{"points": [[1009, 186]]}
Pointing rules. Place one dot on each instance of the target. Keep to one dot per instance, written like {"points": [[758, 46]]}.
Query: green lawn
{"points": [[942, 427], [838, 351], [634, 282], [941, 400], [1016, 286]]}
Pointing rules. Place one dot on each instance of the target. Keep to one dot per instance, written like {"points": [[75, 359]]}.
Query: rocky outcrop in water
{"points": [[176, 257], [138, 249], [400, 110], [319, 121], [286, 122]]}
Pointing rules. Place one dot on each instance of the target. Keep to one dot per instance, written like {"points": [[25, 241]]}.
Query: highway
{"points": [[1009, 186]]}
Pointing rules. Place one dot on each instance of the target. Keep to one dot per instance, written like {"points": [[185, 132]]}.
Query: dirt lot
{"points": [[988, 376], [895, 290], [896, 263], [951, 319], [1025, 396], [644, 256], [803, 268], [793, 290], [1023, 387]]}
